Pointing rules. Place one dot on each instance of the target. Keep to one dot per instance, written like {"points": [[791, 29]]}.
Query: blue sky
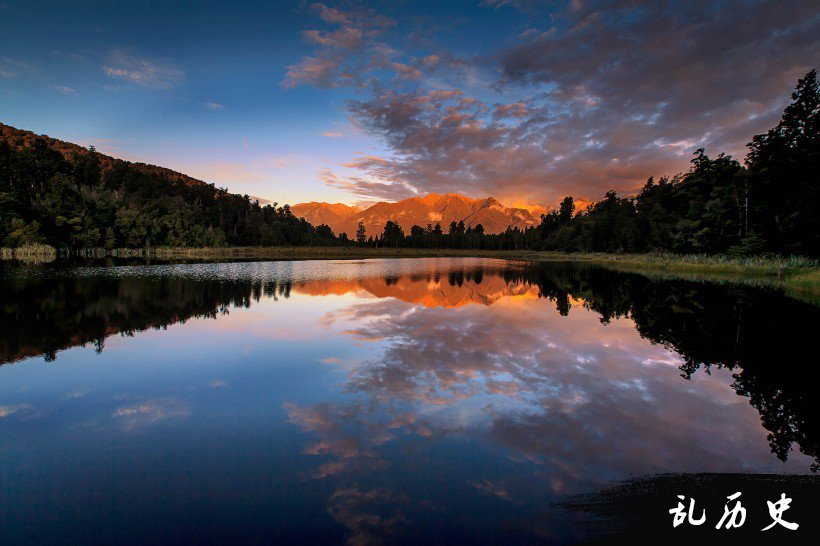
{"points": [[297, 101]]}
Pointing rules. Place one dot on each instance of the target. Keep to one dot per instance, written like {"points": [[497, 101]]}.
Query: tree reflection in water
{"points": [[759, 335], [476, 347]]}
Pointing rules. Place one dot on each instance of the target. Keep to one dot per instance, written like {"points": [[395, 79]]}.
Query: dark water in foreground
{"points": [[427, 401]]}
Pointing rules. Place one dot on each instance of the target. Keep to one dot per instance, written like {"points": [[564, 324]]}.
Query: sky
{"points": [[293, 101]]}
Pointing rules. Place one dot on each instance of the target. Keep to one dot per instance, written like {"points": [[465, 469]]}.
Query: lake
{"points": [[406, 401]]}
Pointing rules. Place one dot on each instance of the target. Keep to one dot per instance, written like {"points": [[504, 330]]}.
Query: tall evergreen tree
{"points": [[784, 176]]}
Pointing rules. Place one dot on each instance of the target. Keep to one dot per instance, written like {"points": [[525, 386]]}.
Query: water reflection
{"points": [[478, 390]]}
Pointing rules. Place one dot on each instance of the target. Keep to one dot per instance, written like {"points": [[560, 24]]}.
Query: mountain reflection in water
{"points": [[465, 397]]}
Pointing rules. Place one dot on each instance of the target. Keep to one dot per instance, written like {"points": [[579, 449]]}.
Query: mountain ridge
{"points": [[422, 210]]}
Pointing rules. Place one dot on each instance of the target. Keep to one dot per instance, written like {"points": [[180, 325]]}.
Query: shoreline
{"points": [[798, 276]]}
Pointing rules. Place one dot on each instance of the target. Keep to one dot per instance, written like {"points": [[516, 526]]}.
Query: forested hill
{"points": [[19, 138], [67, 196]]}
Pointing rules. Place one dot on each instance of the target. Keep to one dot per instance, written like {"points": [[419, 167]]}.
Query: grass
{"points": [[799, 277], [699, 264], [804, 286], [694, 263]]}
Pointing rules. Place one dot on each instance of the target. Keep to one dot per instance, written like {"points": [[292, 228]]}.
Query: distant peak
{"points": [[429, 199], [458, 196]]}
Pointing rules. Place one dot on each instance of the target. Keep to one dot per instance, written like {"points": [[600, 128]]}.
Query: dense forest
{"points": [[66, 196], [69, 197]]}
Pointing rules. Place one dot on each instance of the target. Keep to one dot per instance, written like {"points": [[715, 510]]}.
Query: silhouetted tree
{"points": [[783, 176], [361, 234], [393, 234]]}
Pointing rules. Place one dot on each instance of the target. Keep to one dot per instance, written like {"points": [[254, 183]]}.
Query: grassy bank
{"points": [[804, 286], [799, 276], [699, 263]]}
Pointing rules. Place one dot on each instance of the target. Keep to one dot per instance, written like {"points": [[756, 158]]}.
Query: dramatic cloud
{"points": [[144, 72], [661, 78], [590, 96], [362, 187], [441, 141]]}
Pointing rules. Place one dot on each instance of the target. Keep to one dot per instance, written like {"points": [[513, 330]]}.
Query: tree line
{"points": [[768, 205]]}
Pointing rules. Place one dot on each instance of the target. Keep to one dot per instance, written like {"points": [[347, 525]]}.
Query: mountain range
{"points": [[430, 209]]}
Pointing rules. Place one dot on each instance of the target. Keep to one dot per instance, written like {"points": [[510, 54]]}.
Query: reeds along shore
{"points": [[804, 270], [768, 265]]}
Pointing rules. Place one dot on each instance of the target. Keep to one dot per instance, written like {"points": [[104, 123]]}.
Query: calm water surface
{"points": [[380, 401]]}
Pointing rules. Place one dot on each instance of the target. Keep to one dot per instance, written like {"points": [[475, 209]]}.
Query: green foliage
{"points": [[73, 202]]}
